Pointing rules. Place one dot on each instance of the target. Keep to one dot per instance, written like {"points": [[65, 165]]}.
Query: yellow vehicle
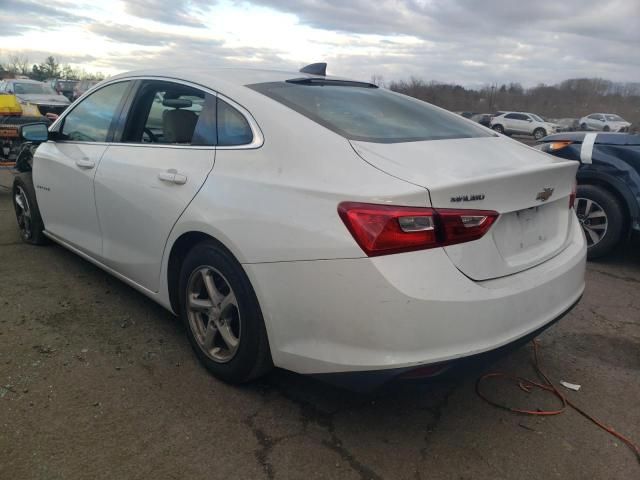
{"points": [[12, 115]]}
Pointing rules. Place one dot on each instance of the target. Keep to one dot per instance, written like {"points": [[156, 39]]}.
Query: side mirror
{"points": [[529, 120], [34, 132]]}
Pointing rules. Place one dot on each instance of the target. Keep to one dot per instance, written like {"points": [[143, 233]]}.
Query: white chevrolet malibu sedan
{"points": [[314, 223]]}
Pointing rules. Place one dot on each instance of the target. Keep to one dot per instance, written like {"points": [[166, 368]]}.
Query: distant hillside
{"points": [[572, 98]]}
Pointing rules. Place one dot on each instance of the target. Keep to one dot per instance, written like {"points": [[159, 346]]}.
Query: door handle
{"points": [[85, 163], [172, 176]]}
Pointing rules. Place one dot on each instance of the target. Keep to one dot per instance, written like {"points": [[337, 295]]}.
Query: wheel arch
{"points": [[179, 250], [617, 188]]}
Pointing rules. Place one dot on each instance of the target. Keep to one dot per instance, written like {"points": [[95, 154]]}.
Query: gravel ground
{"points": [[97, 382]]}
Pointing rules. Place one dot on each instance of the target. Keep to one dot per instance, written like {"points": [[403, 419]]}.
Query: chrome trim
{"points": [[258, 137]]}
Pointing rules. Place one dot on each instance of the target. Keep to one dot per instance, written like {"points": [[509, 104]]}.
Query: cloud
{"points": [[139, 36], [464, 41], [19, 16], [200, 51], [492, 40], [175, 12]]}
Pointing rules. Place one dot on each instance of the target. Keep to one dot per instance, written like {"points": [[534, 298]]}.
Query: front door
{"points": [[148, 179], [65, 168]]}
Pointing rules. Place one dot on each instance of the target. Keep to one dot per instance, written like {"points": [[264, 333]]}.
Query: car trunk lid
{"points": [[529, 189]]}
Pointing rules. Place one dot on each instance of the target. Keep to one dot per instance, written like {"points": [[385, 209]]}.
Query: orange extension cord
{"points": [[527, 385]]}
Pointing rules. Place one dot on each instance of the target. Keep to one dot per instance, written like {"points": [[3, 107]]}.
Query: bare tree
{"points": [[18, 64], [378, 80]]}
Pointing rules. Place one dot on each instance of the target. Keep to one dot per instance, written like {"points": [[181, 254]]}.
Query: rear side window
{"points": [[512, 116], [370, 114], [233, 128], [91, 119]]}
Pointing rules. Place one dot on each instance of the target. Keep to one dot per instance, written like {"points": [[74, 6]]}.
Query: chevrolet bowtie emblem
{"points": [[545, 194]]}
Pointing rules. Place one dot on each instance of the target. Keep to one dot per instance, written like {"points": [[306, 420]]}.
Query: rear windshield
{"points": [[33, 88], [370, 114]]}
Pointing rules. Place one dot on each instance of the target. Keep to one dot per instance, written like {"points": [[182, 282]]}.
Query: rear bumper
{"points": [[407, 310], [372, 379]]}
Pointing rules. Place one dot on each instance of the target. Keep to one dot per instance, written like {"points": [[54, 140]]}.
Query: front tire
{"points": [[28, 215], [606, 128], [539, 133], [222, 315], [601, 217]]}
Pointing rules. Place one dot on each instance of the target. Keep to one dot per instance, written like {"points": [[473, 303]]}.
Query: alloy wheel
{"points": [[23, 212], [213, 314], [593, 220]]}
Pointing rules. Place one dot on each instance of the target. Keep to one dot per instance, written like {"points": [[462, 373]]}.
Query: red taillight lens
{"points": [[572, 197], [385, 229], [465, 225]]}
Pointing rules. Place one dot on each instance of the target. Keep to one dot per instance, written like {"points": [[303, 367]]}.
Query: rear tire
{"points": [[222, 316], [539, 133], [28, 215], [583, 126], [498, 128], [601, 217]]}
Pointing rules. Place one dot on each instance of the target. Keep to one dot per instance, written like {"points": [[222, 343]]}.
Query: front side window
{"points": [[536, 118], [512, 116], [362, 112], [91, 119], [171, 113]]}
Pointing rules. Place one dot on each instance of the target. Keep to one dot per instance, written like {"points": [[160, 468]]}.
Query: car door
{"points": [[147, 179], [595, 122], [64, 168], [514, 122]]}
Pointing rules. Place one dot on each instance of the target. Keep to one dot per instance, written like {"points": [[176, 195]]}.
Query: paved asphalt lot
{"points": [[96, 381]]}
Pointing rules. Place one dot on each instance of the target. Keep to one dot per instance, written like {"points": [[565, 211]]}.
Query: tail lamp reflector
{"points": [[386, 229]]}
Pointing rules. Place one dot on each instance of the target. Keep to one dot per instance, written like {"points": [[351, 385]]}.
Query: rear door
{"points": [[521, 122], [514, 122], [64, 169], [595, 122], [145, 182]]}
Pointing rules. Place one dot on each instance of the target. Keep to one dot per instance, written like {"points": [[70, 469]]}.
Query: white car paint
{"points": [[522, 123], [327, 306], [603, 122]]}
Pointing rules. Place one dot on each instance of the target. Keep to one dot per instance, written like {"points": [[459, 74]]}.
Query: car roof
{"points": [[22, 80], [221, 78], [524, 113]]}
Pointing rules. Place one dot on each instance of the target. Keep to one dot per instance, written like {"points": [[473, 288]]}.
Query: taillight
{"points": [[572, 197], [385, 229]]}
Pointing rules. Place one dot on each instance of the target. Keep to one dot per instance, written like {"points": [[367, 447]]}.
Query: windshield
{"points": [[614, 118], [360, 112], [536, 117], [33, 88]]}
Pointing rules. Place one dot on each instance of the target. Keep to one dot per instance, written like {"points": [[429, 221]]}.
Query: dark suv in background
{"points": [[65, 87], [81, 87], [608, 194]]}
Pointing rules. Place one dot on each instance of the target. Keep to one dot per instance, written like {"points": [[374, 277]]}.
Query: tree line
{"points": [[571, 98], [50, 67]]}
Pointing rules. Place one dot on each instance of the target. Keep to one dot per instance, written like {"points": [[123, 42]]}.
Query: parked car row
{"points": [[526, 123]]}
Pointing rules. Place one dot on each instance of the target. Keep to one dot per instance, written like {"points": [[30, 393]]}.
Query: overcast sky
{"points": [[464, 41]]}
